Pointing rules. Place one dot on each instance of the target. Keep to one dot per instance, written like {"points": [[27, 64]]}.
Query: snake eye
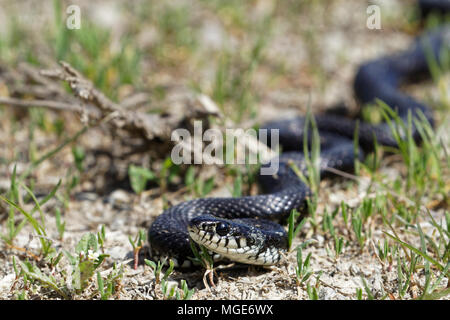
{"points": [[222, 229]]}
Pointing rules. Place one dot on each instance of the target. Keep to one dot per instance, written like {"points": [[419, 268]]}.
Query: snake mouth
{"points": [[233, 240]]}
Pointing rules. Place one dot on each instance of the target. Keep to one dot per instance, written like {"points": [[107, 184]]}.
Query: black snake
{"points": [[241, 229]]}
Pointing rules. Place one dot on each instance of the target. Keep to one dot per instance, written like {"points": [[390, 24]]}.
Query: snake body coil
{"points": [[241, 229]]}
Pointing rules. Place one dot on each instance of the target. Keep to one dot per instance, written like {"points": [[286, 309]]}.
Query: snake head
{"points": [[237, 240], [207, 228]]}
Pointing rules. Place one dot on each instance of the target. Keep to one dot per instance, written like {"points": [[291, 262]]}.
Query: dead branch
{"points": [[148, 126], [96, 108], [44, 86]]}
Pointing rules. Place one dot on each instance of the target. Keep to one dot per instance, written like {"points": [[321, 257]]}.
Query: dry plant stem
{"points": [[209, 274], [26, 81], [24, 250], [136, 257], [135, 100], [81, 87], [56, 105]]}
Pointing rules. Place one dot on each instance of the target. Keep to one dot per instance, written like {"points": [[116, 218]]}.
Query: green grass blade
{"points": [[415, 250]]}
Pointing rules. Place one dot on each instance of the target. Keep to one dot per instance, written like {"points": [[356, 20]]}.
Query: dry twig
{"points": [[93, 104], [148, 126]]}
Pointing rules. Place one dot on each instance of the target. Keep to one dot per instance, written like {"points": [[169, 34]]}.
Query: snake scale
{"points": [[243, 229]]}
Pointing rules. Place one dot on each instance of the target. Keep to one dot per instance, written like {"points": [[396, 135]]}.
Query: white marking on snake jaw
{"points": [[215, 239], [243, 253], [222, 242], [232, 244], [240, 250]]}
